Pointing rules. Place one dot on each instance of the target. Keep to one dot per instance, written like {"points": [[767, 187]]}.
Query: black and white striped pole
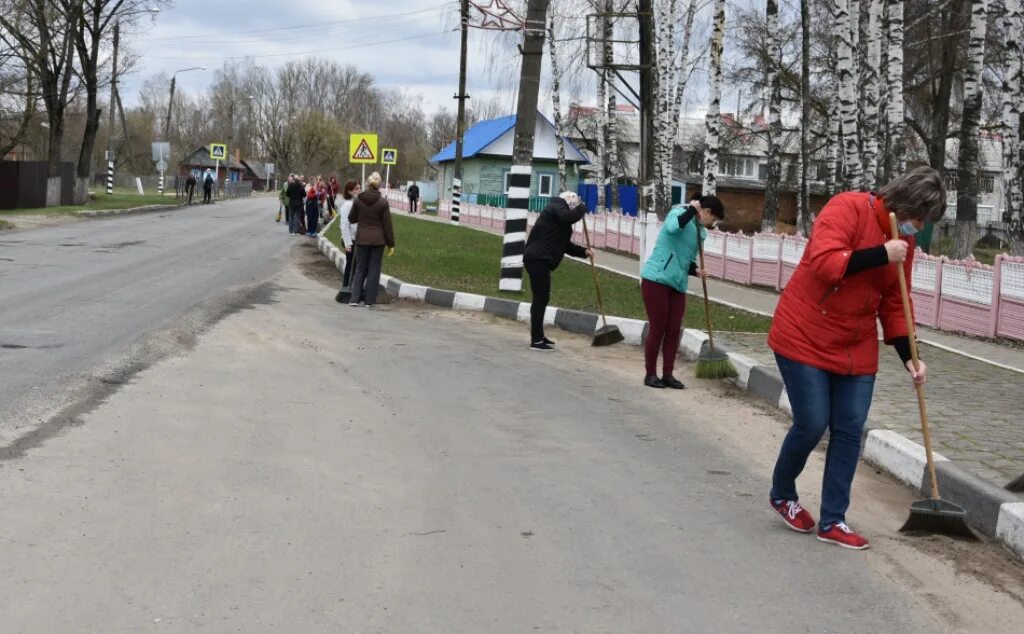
{"points": [[522, 147], [110, 114], [110, 174], [460, 119]]}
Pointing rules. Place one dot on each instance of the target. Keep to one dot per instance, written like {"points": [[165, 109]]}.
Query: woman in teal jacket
{"points": [[665, 277]]}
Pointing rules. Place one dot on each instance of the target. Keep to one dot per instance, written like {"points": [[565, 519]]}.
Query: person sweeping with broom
{"points": [[664, 280], [826, 341], [549, 241]]}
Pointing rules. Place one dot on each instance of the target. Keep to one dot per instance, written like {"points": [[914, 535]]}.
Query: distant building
{"points": [[255, 173], [199, 161], [487, 161]]}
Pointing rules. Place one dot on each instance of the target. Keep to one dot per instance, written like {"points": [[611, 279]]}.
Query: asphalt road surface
{"points": [[297, 465]]}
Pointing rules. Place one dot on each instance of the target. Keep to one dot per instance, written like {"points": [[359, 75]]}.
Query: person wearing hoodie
{"points": [[371, 212], [664, 280], [348, 230], [549, 241], [296, 195], [207, 187]]}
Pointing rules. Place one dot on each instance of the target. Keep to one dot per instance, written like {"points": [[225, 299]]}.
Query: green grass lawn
{"points": [[459, 259], [122, 199], [4, 225]]}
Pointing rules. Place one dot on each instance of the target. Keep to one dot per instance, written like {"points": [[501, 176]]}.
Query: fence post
{"points": [[997, 275]]}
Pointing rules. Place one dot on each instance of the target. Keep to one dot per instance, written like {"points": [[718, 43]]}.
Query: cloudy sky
{"points": [[412, 45], [408, 44]]}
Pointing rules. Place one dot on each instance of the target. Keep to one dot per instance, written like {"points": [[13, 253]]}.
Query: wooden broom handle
{"points": [[593, 269], [704, 282], [909, 317]]}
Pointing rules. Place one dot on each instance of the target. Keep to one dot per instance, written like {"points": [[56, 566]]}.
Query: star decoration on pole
{"points": [[497, 16]]}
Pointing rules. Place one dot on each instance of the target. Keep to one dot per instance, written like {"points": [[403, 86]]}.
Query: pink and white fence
{"points": [[957, 296]]}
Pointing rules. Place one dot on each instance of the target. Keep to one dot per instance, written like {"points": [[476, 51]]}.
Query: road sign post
{"points": [[219, 152], [362, 150], [161, 152], [388, 157]]}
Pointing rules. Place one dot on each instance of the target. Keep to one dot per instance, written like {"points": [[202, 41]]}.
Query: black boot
{"points": [[652, 380]]}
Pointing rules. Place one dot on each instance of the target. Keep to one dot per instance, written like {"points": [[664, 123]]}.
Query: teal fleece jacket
{"points": [[675, 252]]}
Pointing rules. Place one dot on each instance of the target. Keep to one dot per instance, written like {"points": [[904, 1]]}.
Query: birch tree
{"points": [[602, 135], [870, 95], [612, 162], [713, 122], [771, 194], [803, 211], [968, 161], [847, 23], [665, 84], [894, 151], [1013, 94], [556, 103], [682, 72]]}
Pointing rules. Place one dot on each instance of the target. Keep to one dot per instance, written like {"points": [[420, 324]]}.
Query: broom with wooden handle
{"points": [[711, 363], [932, 514]]}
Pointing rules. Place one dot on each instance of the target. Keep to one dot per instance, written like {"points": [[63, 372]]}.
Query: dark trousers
{"points": [[665, 309], [295, 218], [190, 190], [822, 400], [207, 193], [366, 280], [312, 218], [540, 284], [346, 276], [413, 204]]}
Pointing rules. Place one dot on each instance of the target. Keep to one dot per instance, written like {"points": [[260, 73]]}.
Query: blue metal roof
{"points": [[477, 138]]}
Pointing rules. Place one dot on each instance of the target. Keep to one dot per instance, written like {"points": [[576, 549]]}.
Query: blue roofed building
{"points": [[487, 160]]}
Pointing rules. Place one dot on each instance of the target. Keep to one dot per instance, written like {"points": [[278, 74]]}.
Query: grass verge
{"points": [[122, 199], [5, 226], [459, 259]]}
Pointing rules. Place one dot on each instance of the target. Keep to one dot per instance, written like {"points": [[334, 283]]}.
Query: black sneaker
{"points": [[542, 346], [672, 382], [548, 341], [652, 380]]}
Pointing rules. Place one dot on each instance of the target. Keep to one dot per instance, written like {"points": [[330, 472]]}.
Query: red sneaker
{"points": [[795, 516], [842, 535]]}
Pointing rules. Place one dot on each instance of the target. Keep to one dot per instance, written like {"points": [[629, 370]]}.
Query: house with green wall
{"points": [[487, 161]]}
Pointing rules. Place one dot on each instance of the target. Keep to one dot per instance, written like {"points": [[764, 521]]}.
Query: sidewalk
{"points": [[973, 389]]}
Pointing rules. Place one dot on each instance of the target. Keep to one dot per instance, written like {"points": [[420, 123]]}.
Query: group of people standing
{"points": [[208, 182], [306, 202], [823, 334]]}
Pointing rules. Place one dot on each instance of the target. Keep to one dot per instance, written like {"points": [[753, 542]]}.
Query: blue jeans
{"points": [[822, 400]]}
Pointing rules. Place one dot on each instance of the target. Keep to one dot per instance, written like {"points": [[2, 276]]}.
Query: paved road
{"points": [[311, 467], [76, 299]]}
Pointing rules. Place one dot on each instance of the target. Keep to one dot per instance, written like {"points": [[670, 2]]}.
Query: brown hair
{"points": [[917, 195], [349, 186]]}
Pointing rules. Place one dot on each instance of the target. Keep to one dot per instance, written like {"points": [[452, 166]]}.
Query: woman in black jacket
{"points": [[549, 241]]}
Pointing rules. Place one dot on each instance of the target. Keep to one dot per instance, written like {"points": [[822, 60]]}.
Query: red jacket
{"points": [[827, 321]]}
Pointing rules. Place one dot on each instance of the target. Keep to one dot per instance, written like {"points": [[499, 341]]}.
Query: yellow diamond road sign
{"points": [[218, 151], [388, 156], [362, 148]]}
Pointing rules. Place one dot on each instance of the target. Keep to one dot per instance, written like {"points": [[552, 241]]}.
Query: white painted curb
{"points": [[900, 456]]}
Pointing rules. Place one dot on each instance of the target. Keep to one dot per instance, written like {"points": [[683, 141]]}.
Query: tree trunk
{"points": [[870, 96], [951, 20], [713, 122], [602, 139], [803, 212], [1013, 93], [895, 154], [613, 132], [847, 24], [771, 193], [556, 105], [666, 82], [833, 146], [682, 75], [968, 164]]}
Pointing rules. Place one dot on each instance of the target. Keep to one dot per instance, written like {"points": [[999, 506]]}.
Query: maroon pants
{"points": [[665, 309]]}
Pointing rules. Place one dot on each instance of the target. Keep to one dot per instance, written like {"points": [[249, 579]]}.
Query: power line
{"points": [[301, 26], [319, 50]]}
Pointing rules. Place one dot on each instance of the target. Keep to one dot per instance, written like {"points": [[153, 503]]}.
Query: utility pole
{"points": [[460, 123], [110, 107], [647, 105], [522, 148]]}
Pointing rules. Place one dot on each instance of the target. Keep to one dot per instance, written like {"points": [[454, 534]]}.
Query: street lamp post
{"points": [[170, 109]]}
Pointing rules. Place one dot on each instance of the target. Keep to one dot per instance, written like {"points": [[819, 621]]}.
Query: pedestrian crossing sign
{"points": [[218, 151], [362, 148], [388, 156]]}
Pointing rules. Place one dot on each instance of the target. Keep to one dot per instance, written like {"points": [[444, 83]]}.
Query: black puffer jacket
{"points": [[551, 237]]}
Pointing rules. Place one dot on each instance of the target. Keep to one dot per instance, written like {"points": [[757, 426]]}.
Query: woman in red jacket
{"points": [[826, 342]]}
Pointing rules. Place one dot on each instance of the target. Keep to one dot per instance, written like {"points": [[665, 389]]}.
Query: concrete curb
{"points": [[993, 512], [102, 213]]}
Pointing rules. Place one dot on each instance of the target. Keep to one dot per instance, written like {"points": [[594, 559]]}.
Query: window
{"points": [[504, 188], [739, 167], [987, 184], [762, 172], [545, 185]]}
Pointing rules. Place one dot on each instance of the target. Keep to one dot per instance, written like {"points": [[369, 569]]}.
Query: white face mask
{"points": [[907, 229]]}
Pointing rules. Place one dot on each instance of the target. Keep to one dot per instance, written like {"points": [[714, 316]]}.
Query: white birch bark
{"points": [[895, 155], [871, 98], [833, 146], [771, 197], [682, 75], [556, 105], [968, 164], [602, 137], [713, 122], [665, 82], [847, 24], [1013, 85], [612, 115]]}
